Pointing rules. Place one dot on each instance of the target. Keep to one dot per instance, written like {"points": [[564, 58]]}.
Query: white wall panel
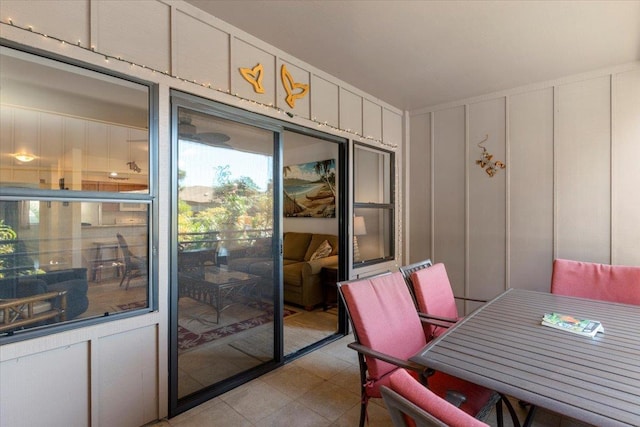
{"points": [[418, 185], [301, 105], [120, 31], [126, 368], [583, 171], [324, 98], [449, 194], [530, 169], [246, 55], [67, 19], [57, 382], [350, 111], [51, 144], [7, 116], [371, 120], [193, 38], [626, 169], [391, 127], [487, 217]]}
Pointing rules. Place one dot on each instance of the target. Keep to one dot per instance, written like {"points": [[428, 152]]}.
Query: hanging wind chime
{"points": [[486, 162]]}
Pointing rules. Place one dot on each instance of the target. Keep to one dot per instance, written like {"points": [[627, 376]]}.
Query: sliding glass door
{"points": [[226, 312]]}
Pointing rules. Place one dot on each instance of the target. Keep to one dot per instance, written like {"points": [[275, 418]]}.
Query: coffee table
{"points": [[219, 285]]}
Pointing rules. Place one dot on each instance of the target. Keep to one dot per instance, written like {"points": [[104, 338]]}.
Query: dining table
{"points": [[503, 346]]}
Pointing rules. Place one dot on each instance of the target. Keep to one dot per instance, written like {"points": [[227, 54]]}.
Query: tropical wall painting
{"points": [[310, 189]]}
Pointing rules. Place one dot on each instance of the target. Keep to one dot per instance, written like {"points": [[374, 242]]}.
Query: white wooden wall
{"points": [[115, 373], [570, 188]]}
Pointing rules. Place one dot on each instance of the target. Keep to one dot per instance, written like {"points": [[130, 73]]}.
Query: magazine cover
{"points": [[572, 324]]}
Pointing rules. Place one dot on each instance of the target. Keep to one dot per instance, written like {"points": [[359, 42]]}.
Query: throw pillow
{"points": [[323, 251]]}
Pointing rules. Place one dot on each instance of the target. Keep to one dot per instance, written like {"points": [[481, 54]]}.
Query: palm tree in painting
{"points": [[324, 169]]}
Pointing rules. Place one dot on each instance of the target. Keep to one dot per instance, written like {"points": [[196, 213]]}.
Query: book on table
{"points": [[572, 324]]}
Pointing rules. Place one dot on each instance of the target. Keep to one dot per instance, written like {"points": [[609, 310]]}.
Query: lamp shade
{"points": [[359, 228]]}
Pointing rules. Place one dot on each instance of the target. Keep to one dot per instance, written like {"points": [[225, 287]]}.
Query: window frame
{"points": [[389, 206], [149, 199]]}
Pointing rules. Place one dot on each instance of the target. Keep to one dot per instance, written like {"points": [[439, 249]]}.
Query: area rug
{"points": [[196, 325], [132, 305]]}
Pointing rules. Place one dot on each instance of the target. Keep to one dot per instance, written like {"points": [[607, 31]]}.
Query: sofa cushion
{"points": [[296, 245], [323, 251], [317, 240]]}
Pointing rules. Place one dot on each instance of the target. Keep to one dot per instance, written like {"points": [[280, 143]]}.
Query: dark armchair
{"points": [[134, 266]]}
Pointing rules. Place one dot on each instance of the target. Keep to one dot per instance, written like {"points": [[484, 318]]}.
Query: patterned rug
{"points": [[197, 326], [132, 305]]}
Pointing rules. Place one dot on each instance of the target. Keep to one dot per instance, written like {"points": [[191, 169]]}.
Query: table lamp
{"points": [[359, 229]]}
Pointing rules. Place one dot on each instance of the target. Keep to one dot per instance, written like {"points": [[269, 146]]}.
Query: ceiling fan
{"points": [[187, 130]]}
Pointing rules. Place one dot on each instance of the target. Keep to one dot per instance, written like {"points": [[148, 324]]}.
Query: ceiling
{"points": [[414, 54]]}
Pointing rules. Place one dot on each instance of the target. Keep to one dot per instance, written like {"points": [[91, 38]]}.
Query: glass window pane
{"points": [[373, 234], [225, 249], [45, 248], [372, 176], [65, 127]]}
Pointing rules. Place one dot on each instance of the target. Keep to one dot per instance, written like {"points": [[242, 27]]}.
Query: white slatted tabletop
{"points": [[503, 346]]}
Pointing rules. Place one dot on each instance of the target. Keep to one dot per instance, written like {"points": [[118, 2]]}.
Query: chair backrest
{"points": [[408, 270], [615, 283], [434, 295], [126, 252], [383, 318], [410, 403]]}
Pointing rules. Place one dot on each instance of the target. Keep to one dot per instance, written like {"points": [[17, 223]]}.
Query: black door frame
{"points": [[180, 99]]}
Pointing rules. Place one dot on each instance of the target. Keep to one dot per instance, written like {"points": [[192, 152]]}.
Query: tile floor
{"points": [[319, 389]]}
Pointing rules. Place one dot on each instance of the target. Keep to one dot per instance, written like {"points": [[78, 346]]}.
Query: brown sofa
{"points": [[301, 275]]}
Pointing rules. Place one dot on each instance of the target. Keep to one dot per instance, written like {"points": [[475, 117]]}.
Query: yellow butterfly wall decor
{"points": [[254, 76], [294, 90]]}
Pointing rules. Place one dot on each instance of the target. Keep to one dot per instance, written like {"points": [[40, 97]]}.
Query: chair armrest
{"points": [[315, 266], [471, 299], [437, 320], [20, 312], [406, 364]]}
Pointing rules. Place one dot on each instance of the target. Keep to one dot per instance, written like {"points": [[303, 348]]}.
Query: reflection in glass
{"points": [[375, 242], [46, 248], [372, 175], [67, 128], [225, 220], [373, 205]]}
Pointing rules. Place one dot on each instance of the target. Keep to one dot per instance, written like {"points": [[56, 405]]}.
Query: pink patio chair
{"points": [[615, 283], [411, 404], [435, 298], [388, 331]]}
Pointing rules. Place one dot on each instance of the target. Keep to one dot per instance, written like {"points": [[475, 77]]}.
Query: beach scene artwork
{"points": [[310, 189]]}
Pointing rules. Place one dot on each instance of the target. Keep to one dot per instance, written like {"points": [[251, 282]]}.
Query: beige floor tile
{"points": [[292, 380], [294, 414], [322, 364], [329, 400], [348, 378], [377, 417], [256, 400], [218, 414]]}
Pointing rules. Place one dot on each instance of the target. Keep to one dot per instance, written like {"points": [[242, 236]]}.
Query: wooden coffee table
{"points": [[219, 285]]}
